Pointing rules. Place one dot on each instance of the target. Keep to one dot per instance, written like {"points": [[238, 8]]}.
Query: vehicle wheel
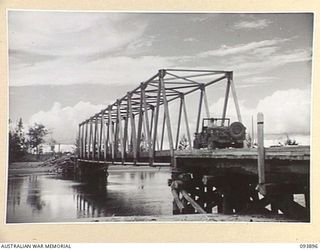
{"points": [[237, 130]]}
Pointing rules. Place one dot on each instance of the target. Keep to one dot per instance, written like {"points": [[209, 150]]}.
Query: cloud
{"points": [[242, 48], [256, 80], [190, 39], [63, 121], [122, 70], [140, 44], [119, 48], [255, 24], [285, 111], [79, 34], [256, 57], [199, 19], [83, 48], [247, 65]]}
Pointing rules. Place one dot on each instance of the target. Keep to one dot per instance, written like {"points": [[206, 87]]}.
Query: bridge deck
{"points": [[287, 169], [279, 153], [243, 158]]}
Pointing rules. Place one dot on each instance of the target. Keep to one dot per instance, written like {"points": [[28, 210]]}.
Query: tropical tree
{"points": [[36, 135], [17, 143]]}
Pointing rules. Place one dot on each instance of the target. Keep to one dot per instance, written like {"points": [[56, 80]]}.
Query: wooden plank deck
{"points": [[283, 163], [279, 153]]}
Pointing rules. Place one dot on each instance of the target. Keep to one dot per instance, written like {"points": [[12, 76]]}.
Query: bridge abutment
{"points": [[92, 172]]}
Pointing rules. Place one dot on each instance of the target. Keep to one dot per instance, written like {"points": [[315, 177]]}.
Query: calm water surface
{"points": [[47, 198]]}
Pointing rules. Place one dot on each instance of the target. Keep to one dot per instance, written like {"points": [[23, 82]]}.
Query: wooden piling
{"points": [[177, 200], [195, 205]]}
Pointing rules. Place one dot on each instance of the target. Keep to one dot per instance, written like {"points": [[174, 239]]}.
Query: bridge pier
{"points": [[229, 192], [92, 172]]}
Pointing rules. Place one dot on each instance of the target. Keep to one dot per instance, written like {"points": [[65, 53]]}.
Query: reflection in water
{"points": [[90, 198], [44, 198], [127, 193], [34, 193], [14, 191]]}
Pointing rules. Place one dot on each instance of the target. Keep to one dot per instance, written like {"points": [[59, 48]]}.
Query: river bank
{"points": [[29, 168], [54, 166]]}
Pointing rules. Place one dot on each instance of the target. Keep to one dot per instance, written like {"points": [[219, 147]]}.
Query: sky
{"points": [[65, 66]]}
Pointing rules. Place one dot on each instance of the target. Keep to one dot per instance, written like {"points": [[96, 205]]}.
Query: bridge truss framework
{"points": [[115, 133]]}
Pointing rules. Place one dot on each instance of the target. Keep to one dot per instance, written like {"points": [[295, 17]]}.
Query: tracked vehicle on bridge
{"points": [[219, 133]]}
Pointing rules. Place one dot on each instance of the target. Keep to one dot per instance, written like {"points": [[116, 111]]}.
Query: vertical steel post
{"points": [[179, 121], [79, 142], [102, 135], [83, 137], [187, 122], [111, 138], [235, 98], [90, 138], [152, 120], [125, 136], [166, 109], [163, 128], [226, 98], [146, 121], [206, 105], [156, 119], [120, 130], [114, 147], [199, 111], [139, 128], [106, 141], [86, 141], [133, 129], [95, 138], [98, 139]]}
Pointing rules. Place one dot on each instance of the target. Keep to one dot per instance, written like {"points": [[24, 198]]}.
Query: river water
{"points": [[39, 197]]}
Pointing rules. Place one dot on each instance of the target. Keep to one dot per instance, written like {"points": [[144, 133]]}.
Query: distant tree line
{"points": [[22, 143]]}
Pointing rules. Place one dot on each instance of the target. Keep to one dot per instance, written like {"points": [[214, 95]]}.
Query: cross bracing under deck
{"points": [[135, 127]]}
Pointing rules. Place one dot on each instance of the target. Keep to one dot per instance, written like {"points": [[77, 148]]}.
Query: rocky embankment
{"points": [[63, 165]]}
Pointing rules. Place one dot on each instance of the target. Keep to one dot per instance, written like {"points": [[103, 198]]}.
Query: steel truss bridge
{"points": [[135, 127]]}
